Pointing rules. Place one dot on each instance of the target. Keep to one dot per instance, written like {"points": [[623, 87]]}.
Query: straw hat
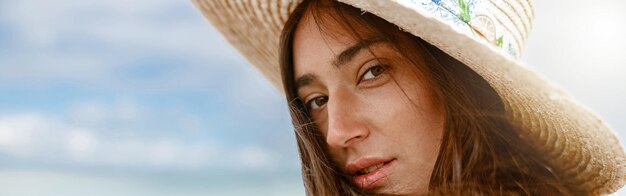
{"points": [[486, 35]]}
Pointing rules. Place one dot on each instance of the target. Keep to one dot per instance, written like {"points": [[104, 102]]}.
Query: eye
{"points": [[373, 72], [316, 102]]}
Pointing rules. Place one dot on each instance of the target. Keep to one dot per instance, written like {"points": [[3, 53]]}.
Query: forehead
{"points": [[317, 41]]}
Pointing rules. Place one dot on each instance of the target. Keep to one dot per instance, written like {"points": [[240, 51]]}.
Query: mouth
{"points": [[370, 173]]}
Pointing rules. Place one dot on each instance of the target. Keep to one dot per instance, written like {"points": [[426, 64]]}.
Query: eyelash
{"points": [[368, 70]]}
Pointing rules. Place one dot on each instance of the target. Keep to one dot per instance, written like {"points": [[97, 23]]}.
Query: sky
{"points": [[146, 98]]}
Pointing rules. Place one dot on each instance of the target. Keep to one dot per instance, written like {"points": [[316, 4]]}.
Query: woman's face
{"points": [[380, 120]]}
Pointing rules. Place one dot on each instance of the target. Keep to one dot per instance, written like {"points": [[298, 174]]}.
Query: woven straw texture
{"points": [[579, 145]]}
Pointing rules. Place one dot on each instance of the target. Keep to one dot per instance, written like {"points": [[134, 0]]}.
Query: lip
{"points": [[374, 178]]}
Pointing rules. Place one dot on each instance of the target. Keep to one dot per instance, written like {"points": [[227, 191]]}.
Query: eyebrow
{"points": [[341, 59], [348, 54]]}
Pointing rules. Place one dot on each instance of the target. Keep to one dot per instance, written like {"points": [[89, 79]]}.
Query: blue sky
{"points": [[146, 98], [110, 93]]}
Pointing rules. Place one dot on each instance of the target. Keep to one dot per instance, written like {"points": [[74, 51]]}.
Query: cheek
{"points": [[406, 117], [418, 114], [407, 104], [414, 130]]}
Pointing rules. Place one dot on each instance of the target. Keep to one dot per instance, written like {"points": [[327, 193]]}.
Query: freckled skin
{"points": [[392, 115]]}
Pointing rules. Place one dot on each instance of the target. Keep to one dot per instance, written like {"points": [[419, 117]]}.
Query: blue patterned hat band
{"points": [[503, 23]]}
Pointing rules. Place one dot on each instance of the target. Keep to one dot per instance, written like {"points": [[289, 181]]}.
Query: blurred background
{"points": [[146, 98]]}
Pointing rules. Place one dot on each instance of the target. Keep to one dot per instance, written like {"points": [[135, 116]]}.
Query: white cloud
{"points": [[14, 135], [44, 138], [255, 158], [81, 144], [97, 114], [17, 132]]}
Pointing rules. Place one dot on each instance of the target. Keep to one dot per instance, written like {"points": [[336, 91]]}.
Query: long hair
{"points": [[481, 151]]}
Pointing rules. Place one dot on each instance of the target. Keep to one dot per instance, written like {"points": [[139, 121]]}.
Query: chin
{"points": [[401, 188]]}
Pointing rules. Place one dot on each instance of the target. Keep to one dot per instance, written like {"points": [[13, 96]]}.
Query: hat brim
{"points": [[578, 144]]}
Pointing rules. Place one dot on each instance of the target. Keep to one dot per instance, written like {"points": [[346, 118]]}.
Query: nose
{"points": [[346, 125]]}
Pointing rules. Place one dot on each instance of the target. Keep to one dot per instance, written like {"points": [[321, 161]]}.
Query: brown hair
{"points": [[481, 151]]}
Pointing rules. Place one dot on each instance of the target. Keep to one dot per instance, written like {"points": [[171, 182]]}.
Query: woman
{"points": [[378, 110]]}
